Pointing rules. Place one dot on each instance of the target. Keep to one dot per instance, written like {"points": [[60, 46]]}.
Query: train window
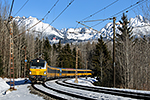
{"points": [[80, 71], [49, 70], [53, 71], [64, 71], [72, 71], [89, 72], [57, 71], [35, 65]]}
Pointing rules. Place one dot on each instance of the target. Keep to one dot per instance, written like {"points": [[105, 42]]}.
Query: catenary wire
{"points": [[134, 5], [140, 1], [58, 15], [38, 21], [10, 11], [48, 11], [100, 10], [62, 11], [21, 7], [51, 8], [96, 20]]}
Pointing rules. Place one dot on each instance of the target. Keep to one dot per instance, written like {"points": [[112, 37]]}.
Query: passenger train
{"points": [[40, 71]]}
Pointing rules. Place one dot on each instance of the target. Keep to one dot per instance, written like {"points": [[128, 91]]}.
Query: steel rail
{"points": [[107, 91], [69, 94], [59, 91], [48, 94]]}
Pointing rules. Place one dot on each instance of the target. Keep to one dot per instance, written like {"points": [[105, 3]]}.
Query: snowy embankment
{"points": [[83, 81], [3, 86], [89, 81], [22, 91]]}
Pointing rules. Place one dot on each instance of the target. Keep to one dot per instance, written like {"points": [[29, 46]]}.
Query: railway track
{"points": [[59, 90], [43, 92], [58, 93], [117, 92]]}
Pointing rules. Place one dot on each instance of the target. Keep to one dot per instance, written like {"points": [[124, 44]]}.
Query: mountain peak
{"points": [[140, 17], [81, 33]]}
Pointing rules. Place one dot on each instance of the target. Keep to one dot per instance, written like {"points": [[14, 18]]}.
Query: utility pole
{"points": [[76, 76], [86, 68], [11, 60], [114, 19], [25, 62]]}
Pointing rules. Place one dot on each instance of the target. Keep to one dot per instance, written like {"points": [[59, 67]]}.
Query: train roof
{"points": [[68, 68], [42, 60]]}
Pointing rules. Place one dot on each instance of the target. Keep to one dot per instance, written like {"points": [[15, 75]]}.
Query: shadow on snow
{"points": [[20, 82]]}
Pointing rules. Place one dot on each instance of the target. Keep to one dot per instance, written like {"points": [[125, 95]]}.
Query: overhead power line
{"points": [[94, 29], [62, 11], [21, 7], [47, 12], [51, 9], [96, 20], [11, 8], [100, 10], [140, 1], [10, 11], [58, 15], [38, 21], [126, 9]]}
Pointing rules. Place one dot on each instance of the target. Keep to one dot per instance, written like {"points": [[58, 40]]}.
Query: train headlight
{"points": [[30, 72], [38, 61], [44, 72]]}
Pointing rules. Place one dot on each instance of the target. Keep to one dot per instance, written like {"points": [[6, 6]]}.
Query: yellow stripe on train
{"points": [[38, 72]]}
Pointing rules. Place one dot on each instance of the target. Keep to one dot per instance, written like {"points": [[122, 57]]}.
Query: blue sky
{"points": [[77, 11]]}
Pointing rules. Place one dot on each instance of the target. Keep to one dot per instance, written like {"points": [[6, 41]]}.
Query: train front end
{"points": [[37, 70]]}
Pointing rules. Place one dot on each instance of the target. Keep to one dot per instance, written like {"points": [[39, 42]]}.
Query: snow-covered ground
{"points": [[89, 81], [23, 92], [83, 81]]}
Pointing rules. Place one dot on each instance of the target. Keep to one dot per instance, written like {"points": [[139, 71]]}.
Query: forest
{"points": [[132, 55]]}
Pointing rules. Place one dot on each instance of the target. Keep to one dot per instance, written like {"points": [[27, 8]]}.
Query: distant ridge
{"points": [[140, 26]]}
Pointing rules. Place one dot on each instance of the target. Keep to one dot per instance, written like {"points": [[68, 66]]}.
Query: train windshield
{"points": [[37, 65]]}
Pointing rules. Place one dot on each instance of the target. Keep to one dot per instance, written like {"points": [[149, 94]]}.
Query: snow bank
{"points": [[83, 81], [22, 91], [3, 86]]}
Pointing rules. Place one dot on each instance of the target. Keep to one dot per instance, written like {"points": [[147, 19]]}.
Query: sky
{"points": [[76, 11]]}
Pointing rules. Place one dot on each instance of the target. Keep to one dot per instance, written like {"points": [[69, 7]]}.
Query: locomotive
{"points": [[40, 71]]}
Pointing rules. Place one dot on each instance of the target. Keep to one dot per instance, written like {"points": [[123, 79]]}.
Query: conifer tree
{"points": [[47, 50], [101, 61], [65, 57], [54, 48], [59, 60], [59, 46], [124, 48]]}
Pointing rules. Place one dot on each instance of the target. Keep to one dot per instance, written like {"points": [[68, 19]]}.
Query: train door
{"points": [[60, 72]]}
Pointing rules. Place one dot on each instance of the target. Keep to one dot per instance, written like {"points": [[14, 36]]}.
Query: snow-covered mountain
{"points": [[140, 26], [40, 29]]}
